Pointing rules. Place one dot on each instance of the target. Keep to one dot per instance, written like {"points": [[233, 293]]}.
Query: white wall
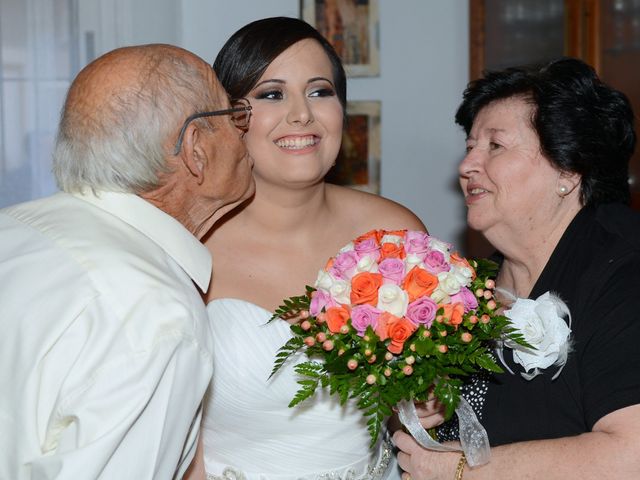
{"points": [[424, 69]]}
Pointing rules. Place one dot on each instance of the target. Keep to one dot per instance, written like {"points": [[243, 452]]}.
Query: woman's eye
{"points": [[269, 95], [322, 92], [468, 148], [494, 146]]}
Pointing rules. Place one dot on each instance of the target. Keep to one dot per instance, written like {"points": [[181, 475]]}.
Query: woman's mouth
{"points": [[297, 142]]}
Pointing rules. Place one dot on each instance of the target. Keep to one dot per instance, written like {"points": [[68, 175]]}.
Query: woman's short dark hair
{"points": [[247, 54], [584, 126]]}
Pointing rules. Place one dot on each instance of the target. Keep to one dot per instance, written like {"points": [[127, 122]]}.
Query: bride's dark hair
{"points": [[247, 54]]}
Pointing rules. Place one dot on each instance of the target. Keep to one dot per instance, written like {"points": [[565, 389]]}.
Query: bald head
{"points": [[121, 114]]}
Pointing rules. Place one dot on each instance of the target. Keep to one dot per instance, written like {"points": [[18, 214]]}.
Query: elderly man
{"points": [[105, 349]]}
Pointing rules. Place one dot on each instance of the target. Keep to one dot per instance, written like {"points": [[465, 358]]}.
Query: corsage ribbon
{"points": [[473, 436]]}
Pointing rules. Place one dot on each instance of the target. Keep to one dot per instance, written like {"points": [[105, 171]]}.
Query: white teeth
{"points": [[296, 142], [477, 191]]}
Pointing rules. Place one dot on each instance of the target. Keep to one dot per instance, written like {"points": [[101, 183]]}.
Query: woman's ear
{"points": [[568, 182]]}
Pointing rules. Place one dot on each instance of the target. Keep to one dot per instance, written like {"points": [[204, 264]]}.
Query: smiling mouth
{"points": [[477, 191], [297, 143]]}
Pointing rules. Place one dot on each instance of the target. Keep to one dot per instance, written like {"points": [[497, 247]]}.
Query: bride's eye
{"points": [[269, 95], [322, 92]]}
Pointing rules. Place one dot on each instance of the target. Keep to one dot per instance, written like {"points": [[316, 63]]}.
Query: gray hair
{"points": [[121, 145]]}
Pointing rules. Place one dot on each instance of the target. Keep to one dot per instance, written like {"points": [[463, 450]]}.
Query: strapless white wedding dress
{"points": [[249, 432]]}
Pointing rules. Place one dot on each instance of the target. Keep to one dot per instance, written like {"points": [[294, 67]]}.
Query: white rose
{"points": [[440, 296], [449, 282], [347, 248], [462, 274], [440, 246], [412, 260], [341, 291], [395, 239], [367, 264], [393, 299], [324, 281], [542, 326]]}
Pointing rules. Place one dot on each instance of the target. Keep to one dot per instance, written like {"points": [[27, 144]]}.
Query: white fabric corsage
{"points": [[541, 323]]}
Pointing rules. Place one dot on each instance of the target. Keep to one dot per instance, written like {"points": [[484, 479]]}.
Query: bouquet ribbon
{"points": [[473, 436]]}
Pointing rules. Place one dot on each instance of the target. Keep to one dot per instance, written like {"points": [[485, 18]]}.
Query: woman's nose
{"points": [[299, 112], [470, 163]]}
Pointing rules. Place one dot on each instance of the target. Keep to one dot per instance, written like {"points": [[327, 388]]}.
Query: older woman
{"points": [[545, 180]]}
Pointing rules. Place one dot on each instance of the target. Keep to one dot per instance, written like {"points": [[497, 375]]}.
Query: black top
{"points": [[595, 269]]}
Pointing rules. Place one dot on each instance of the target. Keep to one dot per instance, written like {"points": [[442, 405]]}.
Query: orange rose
{"points": [[399, 330], [456, 259], [382, 327], [453, 313], [329, 264], [375, 234], [391, 250], [397, 233], [337, 317], [419, 282], [364, 288]]}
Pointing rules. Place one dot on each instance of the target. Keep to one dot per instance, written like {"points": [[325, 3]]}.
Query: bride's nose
{"points": [[299, 112]]}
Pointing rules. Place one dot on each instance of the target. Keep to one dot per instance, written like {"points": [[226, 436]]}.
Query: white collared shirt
{"points": [[105, 349]]}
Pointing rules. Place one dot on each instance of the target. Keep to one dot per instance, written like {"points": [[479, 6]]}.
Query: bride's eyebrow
{"points": [[270, 80], [320, 79]]}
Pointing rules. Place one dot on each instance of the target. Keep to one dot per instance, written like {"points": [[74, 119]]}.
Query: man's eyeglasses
{"points": [[240, 112]]}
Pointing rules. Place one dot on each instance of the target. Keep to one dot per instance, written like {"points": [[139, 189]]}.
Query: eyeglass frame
{"points": [[227, 111]]}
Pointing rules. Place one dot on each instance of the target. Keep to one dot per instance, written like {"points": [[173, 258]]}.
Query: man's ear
{"points": [[194, 156]]}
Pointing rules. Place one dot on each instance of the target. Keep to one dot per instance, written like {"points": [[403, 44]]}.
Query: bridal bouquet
{"points": [[393, 315]]}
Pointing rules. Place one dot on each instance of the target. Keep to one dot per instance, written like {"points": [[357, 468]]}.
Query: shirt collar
{"points": [[192, 256]]}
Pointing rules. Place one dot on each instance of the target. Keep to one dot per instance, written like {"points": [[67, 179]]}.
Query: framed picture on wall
{"points": [[352, 27], [358, 163]]}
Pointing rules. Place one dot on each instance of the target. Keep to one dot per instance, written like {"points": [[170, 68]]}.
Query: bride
{"points": [[270, 250]]}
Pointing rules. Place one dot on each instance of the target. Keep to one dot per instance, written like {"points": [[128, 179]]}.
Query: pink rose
{"points": [[417, 243], [466, 298], [363, 316], [368, 247], [435, 262], [344, 265], [422, 311], [319, 300], [392, 270]]}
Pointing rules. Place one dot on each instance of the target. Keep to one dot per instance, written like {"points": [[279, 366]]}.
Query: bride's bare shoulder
{"points": [[369, 211]]}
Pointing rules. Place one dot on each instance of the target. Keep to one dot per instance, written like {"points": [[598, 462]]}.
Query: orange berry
{"points": [[485, 319], [487, 294], [443, 348], [490, 284], [304, 314], [309, 341], [407, 370], [327, 345], [479, 292], [321, 337], [410, 360], [466, 337], [352, 364], [371, 379]]}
